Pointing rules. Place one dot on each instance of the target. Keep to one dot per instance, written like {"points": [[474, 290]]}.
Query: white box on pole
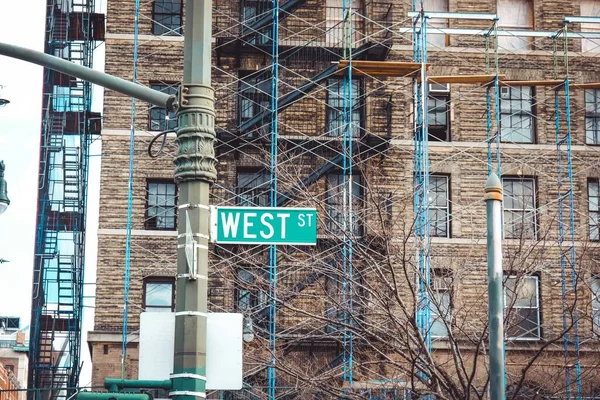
{"points": [[223, 353]]}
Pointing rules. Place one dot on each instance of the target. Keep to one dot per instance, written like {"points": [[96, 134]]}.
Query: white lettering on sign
{"points": [[267, 225], [283, 217], [248, 224], [302, 222], [230, 224]]}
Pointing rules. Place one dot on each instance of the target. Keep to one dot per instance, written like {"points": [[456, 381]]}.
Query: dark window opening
{"points": [[167, 17], [594, 209], [253, 188], [337, 91], [342, 217], [438, 113], [439, 206], [592, 116], [255, 94]]}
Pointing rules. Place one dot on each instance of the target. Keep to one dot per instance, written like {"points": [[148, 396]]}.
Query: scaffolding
{"points": [[68, 128], [307, 311]]}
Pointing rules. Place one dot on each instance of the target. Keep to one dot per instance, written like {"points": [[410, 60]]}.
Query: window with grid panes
{"points": [[436, 40], [160, 118], [519, 203], [595, 286], [161, 205], [159, 294], [167, 17], [253, 188], [441, 313], [335, 106], [248, 295], [252, 11], [438, 112], [439, 206], [522, 307], [516, 114], [255, 95], [590, 8], [337, 188], [515, 15], [592, 116], [594, 209]]}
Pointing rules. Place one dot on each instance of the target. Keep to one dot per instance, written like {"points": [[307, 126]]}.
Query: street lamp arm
{"points": [[99, 78]]}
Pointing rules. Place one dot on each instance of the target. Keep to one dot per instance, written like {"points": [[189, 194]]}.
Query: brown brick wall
{"points": [[386, 173]]}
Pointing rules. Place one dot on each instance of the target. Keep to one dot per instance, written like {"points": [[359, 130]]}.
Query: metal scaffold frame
{"points": [[68, 129], [264, 140]]}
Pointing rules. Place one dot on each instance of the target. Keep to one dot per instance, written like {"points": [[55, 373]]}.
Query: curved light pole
{"points": [[4, 201]]}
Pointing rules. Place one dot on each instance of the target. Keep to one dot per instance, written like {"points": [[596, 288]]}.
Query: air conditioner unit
{"points": [[505, 92], [439, 88]]}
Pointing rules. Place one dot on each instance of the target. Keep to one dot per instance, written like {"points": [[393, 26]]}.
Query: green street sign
{"points": [[264, 225]]}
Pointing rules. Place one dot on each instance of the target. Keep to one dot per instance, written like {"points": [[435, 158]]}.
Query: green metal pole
{"points": [[195, 171], [87, 74], [493, 200]]}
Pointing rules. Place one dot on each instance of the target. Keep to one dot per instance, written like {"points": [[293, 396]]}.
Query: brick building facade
{"points": [[363, 269]]}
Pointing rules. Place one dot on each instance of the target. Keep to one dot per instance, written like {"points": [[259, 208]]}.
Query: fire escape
{"points": [[73, 29]]}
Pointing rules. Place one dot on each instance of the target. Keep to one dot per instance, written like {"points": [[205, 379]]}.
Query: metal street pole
{"points": [[87, 74], [195, 171], [493, 200]]}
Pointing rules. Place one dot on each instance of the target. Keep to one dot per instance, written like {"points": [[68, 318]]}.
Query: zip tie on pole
{"points": [[191, 313], [188, 393], [188, 375], [192, 206]]}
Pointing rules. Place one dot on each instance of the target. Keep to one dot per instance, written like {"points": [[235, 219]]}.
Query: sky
{"points": [[20, 123]]}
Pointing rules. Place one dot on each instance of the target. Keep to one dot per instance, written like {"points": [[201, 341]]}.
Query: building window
{"points": [[335, 106], [439, 206], [590, 8], [255, 95], [596, 304], [159, 295], [248, 294], [441, 306], [515, 15], [336, 189], [522, 306], [253, 188], [334, 23], [436, 40], [594, 209], [333, 302], [161, 205], [520, 220], [438, 111], [592, 116], [167, 17], [516, 114], [252, 11], [160, 118]]}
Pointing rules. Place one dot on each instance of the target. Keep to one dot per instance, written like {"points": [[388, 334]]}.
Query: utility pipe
{"points": [[116, 384]]}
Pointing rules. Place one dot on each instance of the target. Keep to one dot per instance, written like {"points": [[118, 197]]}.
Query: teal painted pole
{"points": [[195, 171], [493, 200]]}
